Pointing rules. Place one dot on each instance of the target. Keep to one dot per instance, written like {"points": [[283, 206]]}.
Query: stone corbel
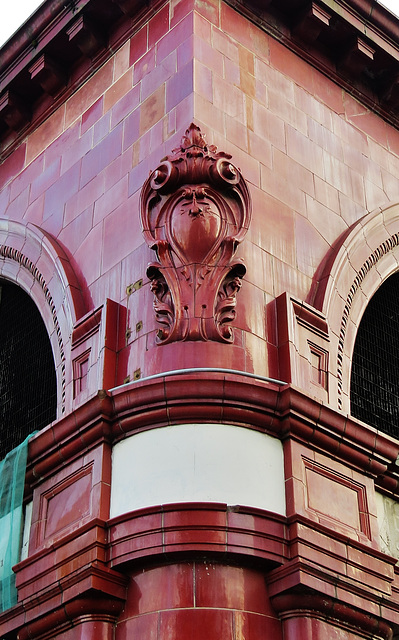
{"points": [[13, 111], [311, 22], [49, 75], [356, 58], [86, 35]]}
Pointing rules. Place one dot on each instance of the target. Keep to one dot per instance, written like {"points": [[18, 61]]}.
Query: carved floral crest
{"points": [[195, 210]]}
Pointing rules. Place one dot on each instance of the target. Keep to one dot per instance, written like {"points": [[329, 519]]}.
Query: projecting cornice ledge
{"points": [[215, 397], [353, 42], [59, 47]]}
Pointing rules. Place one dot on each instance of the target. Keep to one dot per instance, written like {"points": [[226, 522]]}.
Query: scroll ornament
{"points": [[195, 210]]}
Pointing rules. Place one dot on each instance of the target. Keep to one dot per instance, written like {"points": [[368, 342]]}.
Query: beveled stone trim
{"points": [[213, 397], [33, 259], [197, 527], [17, 256], [366, 267], [350, 275]]}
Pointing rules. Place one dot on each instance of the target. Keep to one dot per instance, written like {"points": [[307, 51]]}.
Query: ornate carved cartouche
{"points": [[195, 210]]}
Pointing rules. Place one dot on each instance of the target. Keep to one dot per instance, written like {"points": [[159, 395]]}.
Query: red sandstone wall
{"points": [[316, 161], [188, 600]]}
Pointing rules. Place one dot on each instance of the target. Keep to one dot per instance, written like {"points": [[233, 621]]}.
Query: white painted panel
{"points": [[26, 532], [388, 522], [198, 463]]}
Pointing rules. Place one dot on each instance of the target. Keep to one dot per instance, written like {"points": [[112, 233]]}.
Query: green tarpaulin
{"points": [[12, 481]]}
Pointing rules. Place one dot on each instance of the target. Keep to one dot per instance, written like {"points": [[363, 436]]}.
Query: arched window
{"points": [[375, 363], [28, 387]]}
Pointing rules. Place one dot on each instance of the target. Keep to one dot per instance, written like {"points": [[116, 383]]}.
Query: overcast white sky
{"points": [[15, 12]]}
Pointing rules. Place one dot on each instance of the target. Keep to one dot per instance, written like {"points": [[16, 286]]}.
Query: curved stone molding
{"points": [[195, 210], [366, 267], [168, 529], [218, 398], [37, 263], [360, 263], [13, 254], [325, 613]]}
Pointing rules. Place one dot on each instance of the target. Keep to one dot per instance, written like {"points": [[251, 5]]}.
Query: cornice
{"points": [[304, 602], [62, 45], [353, 42], [209, 397]]}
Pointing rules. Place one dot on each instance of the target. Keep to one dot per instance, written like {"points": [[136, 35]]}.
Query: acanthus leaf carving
{"points": [[195, 210]]}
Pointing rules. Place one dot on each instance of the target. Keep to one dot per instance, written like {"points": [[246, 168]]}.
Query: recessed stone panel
{"points": [[333, 496], [69, 502]]}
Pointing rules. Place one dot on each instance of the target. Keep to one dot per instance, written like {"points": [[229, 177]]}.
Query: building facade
{"points": [[199, 222]]}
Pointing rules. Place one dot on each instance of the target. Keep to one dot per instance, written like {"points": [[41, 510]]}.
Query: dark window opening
{"points": [[375, 363], [28, 388]]}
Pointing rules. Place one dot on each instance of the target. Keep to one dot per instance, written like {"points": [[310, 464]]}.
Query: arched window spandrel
{"points": [[28, 387], [375, 362]]}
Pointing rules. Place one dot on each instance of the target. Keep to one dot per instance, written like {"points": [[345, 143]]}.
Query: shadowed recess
{"points": [[374, 382], [28, 391]]}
